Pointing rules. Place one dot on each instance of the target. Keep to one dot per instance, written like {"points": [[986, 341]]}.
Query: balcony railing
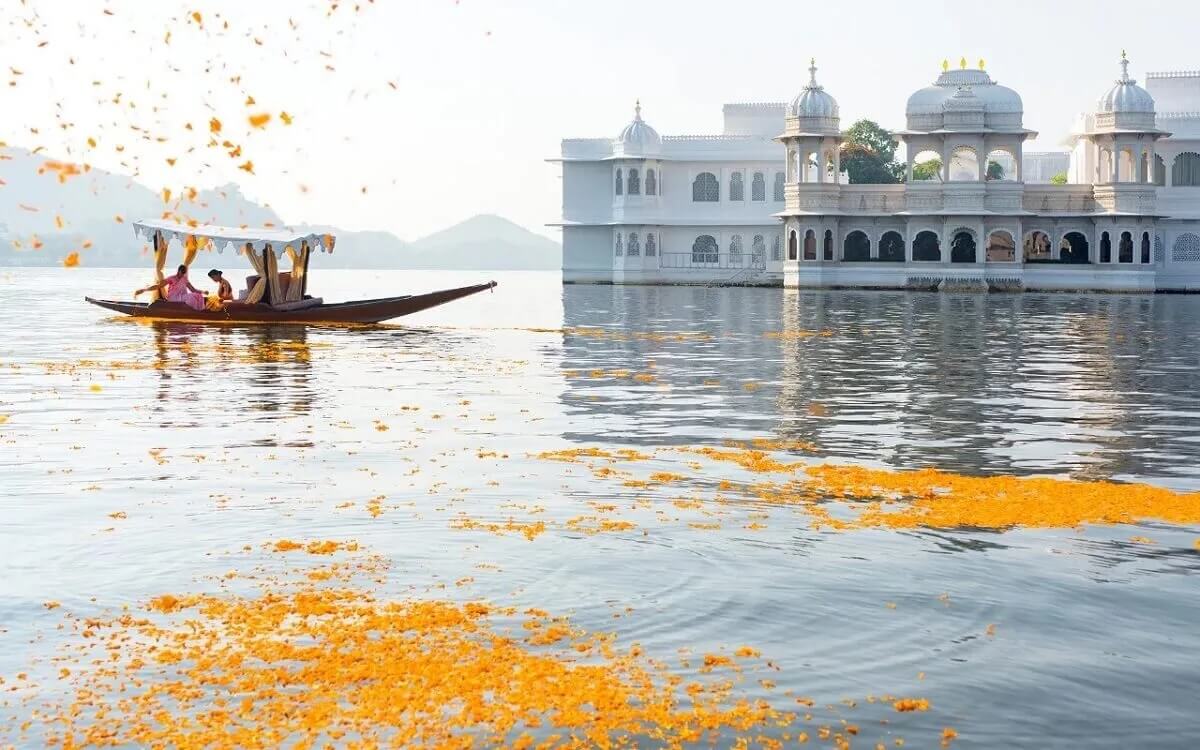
{"points": [[707, 261]]}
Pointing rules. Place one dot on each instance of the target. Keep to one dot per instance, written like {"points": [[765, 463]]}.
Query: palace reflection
{"points": [[1095, 386]]}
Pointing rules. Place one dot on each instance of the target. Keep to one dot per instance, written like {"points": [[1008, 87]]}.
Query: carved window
{"points": [[779, 187], [1186, 170], [620, 182], [618, 251], [737, 187], [651, 243], [634, 247], [705, 249], [651, 184], [758, 250], [735, 249], [635, 184], [1186, 248], [758, 187], [777, 248], [706, 189]]}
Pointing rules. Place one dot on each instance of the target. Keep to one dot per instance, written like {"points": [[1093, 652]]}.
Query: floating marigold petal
{"points": [[214, 125], [260, 120], [71, 260]]}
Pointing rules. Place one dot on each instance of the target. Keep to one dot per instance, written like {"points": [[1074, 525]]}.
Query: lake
{"points": [[586, 452]]}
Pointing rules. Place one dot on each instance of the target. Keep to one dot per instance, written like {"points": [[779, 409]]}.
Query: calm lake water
{"points": [[213, 438]]}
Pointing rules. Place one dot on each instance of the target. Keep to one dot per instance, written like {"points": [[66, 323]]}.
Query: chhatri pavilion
{"points": [[755, 206]]}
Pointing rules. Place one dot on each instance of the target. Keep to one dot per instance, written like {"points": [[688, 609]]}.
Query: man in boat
{"points": [[224, 288], [177, 288]]}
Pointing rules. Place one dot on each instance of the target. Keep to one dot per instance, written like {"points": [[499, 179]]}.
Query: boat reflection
{"points": [[266, 370], [1095, 386]]}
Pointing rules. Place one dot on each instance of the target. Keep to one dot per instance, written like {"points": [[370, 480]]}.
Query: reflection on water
{"points": [[1091, 386], [140, 459]]}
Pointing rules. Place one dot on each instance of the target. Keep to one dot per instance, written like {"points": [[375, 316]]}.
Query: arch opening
{"points": [[856, 246], [1037, 247], [1125, 248], [927, 167], [827, 245], [810, 245], [1074, 248], [1105, 248], [1001, 165], [1001, 248], [792, 252], [1145, 247], [964, 165], [927, 246], [962, 247], [634, 186], [891, 247]]}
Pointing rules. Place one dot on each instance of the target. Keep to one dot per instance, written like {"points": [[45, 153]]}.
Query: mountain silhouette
{"points": [[34, 199]]}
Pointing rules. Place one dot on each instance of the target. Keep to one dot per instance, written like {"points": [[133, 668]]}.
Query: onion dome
{"points": [[638, 137], [1126, 95], [1002, 107], [813, 101]]}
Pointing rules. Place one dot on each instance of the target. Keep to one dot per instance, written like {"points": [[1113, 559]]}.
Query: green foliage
{"points": [[928, 170], [868, 155], [994, 170], [1059, 179]]}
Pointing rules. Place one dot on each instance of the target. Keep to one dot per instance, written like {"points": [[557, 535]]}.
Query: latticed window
{"points": [[1186, 170], [705, 249], [777, 248], [635, 183], [651, 184], [737, 187], [779, 187], [735, 249], [634, 246], [620, 183], [706, 189], [651, 244], [619, 252], [1186, 248], [758, 187], [758, 250]]}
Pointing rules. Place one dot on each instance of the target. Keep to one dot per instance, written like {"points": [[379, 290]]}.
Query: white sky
{"points": [[484, 90]]}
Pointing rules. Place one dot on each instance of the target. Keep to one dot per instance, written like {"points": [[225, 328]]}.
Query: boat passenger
{"points": [[177, 288], [224, 288]]}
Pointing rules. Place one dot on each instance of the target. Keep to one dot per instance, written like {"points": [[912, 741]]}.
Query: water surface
{"points": [[213, 438]]}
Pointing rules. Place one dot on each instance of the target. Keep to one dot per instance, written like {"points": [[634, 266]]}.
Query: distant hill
{"points": [[31, 197]]}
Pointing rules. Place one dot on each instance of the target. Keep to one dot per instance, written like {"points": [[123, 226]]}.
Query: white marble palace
{"points": [[755, 206]]}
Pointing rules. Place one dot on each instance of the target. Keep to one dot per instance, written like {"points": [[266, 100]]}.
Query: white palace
{"points": [[766, 201]]}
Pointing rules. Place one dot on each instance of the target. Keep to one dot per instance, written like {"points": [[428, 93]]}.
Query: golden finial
{"points": [[1123, 54], [945, 65], [962, 63], [981, 63]]}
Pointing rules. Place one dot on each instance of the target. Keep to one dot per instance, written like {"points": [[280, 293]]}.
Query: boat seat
{"points": [[300, 304]]}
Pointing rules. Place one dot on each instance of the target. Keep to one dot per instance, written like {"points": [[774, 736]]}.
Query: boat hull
{"points": [[354, 312]]}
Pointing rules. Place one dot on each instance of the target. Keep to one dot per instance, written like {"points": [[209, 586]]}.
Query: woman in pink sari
{"points": [[177, 288]]}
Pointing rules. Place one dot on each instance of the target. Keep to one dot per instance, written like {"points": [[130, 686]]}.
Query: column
{"points": [[1115, 162]]}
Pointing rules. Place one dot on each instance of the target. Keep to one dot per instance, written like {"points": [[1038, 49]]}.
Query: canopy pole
{"points": [[304, 279], [266, 275]]}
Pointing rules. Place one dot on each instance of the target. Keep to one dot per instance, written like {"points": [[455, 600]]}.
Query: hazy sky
{"points": [[445, 109]]}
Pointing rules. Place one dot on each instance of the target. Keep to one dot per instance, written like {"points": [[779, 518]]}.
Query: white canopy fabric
{"points": [[236, 237]]}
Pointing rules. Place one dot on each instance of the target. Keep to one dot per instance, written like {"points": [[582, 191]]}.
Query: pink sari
{"points": [[177, 291]]}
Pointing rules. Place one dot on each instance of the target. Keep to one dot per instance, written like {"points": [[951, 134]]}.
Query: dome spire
{"points": [[812, 73], [637, 110], [1124, 67]]}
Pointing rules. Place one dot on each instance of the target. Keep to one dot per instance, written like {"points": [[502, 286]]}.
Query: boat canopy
{"points": [[218, 237]]}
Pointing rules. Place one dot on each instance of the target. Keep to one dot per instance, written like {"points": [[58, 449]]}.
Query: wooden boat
{"points": [[263, 248]]}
